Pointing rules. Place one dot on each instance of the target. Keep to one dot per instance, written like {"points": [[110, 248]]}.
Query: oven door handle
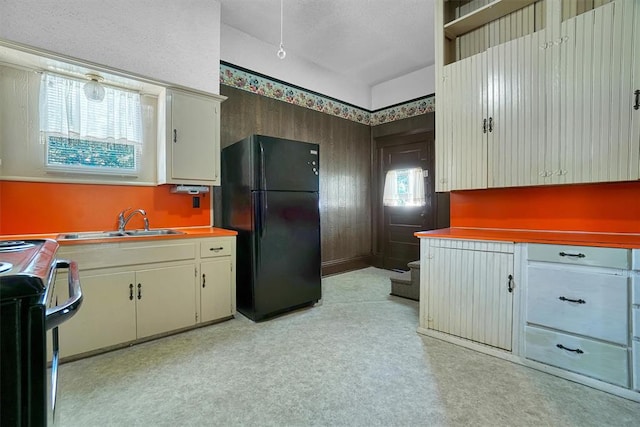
{"points": [[63, 312]]}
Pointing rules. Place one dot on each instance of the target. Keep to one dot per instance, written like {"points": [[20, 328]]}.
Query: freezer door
{"points": [[287, 251], [287, 165]]}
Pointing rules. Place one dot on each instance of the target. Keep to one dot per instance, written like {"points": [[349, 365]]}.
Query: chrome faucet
{"points": [[122, 221]]}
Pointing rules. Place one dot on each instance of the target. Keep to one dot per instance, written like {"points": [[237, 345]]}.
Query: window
{"points": [[404, 187], [87, 136]]}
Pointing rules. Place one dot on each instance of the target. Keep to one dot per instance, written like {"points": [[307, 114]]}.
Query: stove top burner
{"points": [[14, 245], [5, 266]]}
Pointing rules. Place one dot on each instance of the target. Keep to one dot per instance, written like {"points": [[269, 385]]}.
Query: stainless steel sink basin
{"points": [[90, 235], [111, 234], [153, 232]]}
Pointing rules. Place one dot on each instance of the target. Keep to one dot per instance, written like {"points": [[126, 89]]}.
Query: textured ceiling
{"points": [[371, 41]]}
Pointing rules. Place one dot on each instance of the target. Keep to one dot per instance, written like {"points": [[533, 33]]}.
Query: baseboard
{"points": [[343, 265]]}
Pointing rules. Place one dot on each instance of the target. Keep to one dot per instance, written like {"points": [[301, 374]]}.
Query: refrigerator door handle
{"points": [[263, 177], [261, 212]]}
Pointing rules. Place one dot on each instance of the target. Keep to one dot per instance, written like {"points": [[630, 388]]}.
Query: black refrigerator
{"points": [[270, 197]]}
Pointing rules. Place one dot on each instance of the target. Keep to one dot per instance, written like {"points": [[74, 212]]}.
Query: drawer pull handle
{"points": [[216, 249], [204, 280], [579, 301], [572, 255], [130, 291], [575, 350], [510, 283]]}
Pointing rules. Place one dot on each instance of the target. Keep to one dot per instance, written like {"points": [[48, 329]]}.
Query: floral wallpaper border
{"points": [[249, 81]]}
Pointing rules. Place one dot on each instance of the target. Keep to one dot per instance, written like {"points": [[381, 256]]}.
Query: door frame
{"points": [[377, 209]]}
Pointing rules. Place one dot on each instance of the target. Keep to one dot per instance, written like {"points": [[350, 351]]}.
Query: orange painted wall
{"points": [[608, 207], [37, 207]]}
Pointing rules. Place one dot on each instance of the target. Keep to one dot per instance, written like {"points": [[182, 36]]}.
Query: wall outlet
{"points": [[196, 202]]}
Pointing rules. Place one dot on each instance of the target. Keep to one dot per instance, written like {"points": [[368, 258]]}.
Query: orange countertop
{"points": [[189, 232], [616, 240]]}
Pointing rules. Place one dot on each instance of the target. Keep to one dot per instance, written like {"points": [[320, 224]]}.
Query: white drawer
{"points": [[591, 304], [635, 326], [581, 255], [636, 365], [595, 359], [219, 246]]}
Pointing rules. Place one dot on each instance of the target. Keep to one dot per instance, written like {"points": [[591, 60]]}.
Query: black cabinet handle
{"points": [[579, 301], [139, 291], [490, 124], [204, 280], [510, 283], [572, 255], [574, 350], [484, 125], [175, 135], [216, 249], [636, 105], [130, 291]]}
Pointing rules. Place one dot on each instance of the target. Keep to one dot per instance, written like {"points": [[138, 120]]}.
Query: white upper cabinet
{"points": [[529, 97], [596, 98], [190, 150]]}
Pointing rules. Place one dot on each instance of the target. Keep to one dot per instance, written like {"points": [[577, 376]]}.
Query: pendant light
{"points": [[93, 90], [281, 53]]}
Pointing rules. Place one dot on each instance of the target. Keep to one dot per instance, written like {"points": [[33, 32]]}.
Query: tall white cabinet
{"points": [[548, 105]]}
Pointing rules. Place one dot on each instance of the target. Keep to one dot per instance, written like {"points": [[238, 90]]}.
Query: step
{"points": [[403, 286]]}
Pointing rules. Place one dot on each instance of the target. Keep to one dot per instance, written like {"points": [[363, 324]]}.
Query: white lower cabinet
{"points": [[217, 279], [133, 291], [577, 310], [469, 290], [573, 311], [106, 317]]}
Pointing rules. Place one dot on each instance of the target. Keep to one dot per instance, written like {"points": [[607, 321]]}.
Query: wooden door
{"points": [[399, 245]]}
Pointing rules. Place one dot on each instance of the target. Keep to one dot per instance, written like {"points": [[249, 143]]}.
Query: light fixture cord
{"points": [[281, 20], [281, 53]]}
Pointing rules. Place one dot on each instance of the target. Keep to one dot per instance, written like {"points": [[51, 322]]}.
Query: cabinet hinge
{"points": [[195, 272], [196, 317]]}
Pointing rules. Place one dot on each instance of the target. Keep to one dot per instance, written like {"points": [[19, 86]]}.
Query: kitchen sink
{"points": [[111, 234], [153, 232]]}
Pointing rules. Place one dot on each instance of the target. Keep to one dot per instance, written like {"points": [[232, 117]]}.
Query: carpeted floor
{"points": [[353, 360]]}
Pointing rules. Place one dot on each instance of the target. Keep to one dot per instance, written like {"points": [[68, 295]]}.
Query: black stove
{"points": [[27, 311]]}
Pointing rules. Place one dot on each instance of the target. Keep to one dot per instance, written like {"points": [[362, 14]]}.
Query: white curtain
{"points": [[404, 187], [65, 111]]}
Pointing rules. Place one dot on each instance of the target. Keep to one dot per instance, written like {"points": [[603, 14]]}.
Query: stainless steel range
{"points": [[27, 311]]}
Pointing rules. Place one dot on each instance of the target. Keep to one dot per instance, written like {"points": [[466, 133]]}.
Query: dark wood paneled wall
{"points": [[345, 167]]}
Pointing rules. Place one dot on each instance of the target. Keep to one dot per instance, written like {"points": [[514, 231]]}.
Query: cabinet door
{"points": [[194, 137], [596, 77], [107, 315], [462, 128], [468, 295], [165, 299], [215, 289], [517, 98]]}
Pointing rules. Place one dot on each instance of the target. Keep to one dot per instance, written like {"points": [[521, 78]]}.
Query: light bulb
{"points": [[93, 90]]}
